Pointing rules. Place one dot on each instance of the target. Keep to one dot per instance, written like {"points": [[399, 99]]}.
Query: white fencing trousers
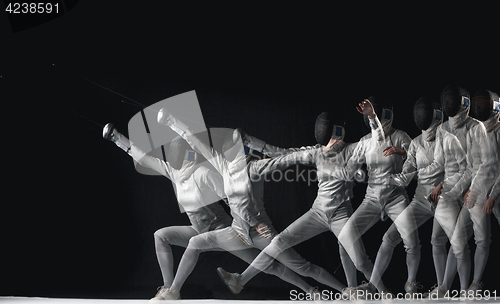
{"points": [[313, 222], [447, 214], [481, 225], [378, 199], [415, 215], [228, 240], [164, 237]]}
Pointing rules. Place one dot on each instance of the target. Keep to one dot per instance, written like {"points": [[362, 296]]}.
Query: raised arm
{"points": [[156, 164], [213, 156]]}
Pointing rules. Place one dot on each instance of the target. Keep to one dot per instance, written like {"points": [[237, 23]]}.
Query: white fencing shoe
{"points": [[411, 288], [232, 280], [165, 294]]}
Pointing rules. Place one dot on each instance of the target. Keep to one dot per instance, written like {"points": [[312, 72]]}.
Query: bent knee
{"points": [[277, 246], [161, 237]]}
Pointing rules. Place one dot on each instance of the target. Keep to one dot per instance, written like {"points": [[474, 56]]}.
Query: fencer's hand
{"points": [[109, 132], [366, 108], [466, 196], [263, 230], [488, 206], [394, 150], [436, 193], [329, 145], [164, 117]]}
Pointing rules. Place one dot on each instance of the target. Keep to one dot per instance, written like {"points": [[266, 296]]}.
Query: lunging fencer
{"points": [[198, 188], [331, 208], [383, 151], [251, 227], [424, 149]]}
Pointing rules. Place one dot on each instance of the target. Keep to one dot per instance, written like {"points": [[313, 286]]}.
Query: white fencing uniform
{"points": [[198, 188], [244, 187], [481, 184], [381, 198], [471, 135], [330, 211], [450, 158]]}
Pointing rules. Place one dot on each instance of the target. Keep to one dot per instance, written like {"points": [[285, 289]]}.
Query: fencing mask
{"points": [[178, 152], [453, 98], [485, 104], [323, 128], [425, 114]]}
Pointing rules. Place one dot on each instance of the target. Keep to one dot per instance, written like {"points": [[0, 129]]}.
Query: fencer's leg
{"points": [[382, 261], [164, 238], [439, 256], [450, 270], [251, 255], [305, 227], [260, 263], [230, 242], [186, 266], [480, 259], [407, 219], [412, 263], [460, 247], [291, 259], [440, 253], [165, 260], [349, 268], [464, 269], [482, 236], [367, 214], [336, 224]]}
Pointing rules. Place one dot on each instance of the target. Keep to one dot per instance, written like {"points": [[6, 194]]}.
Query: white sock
{"points": [[451, 270], [349, 268], [412, 262], [383, 259], [165, 260], [186, 266], [439, 256], [480, 259], [464, 269]]}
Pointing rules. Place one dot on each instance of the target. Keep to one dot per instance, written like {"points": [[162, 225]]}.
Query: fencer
{"points": [[331, 208], [486, 110], [472, 136], [423, 149], [251, 226], [198, 188], [383, 151]]}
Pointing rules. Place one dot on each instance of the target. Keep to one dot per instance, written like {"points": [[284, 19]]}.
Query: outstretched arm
{"points": [[156, 164]]}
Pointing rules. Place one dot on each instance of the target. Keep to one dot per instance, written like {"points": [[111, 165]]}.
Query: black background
{"points": [[78, 220]]}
